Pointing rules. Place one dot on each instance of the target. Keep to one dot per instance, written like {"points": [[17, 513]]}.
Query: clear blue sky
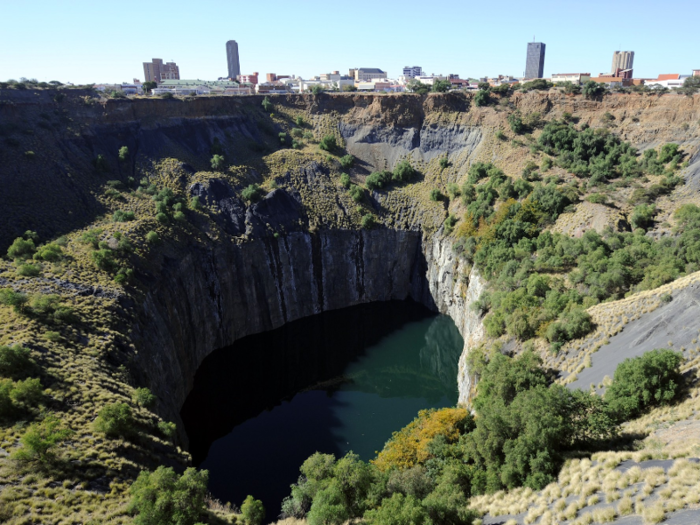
{"points": [[91, 41]]}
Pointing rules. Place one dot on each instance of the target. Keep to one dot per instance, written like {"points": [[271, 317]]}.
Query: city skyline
{"points": [[455, 44]]}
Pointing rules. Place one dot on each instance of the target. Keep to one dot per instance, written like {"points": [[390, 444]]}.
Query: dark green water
{"points": [[332, 383]]}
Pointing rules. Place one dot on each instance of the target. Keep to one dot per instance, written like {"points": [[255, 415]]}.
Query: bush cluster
{"points": [[524, 424], [540, 283], [19, 393], [163, 497]]}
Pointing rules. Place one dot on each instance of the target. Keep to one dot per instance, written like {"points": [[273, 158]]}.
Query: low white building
{"points": [[574, 78], [666, 81]]}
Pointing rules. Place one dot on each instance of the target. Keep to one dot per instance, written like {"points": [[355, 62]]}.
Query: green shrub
{"points": [[123, 154], [592, 89], [299, 121], [179, 216], [436, 195], [115, 419], [28, 270], [217, 162], [162, 218], [482, 98], [21, 249], [168, 429], [267, 105], [26, 394], [40, 440], [345, 180], [195, 203], [49, 252], [54, 337], [252, 511], [16, 300], [253, 193], [643, 382], [378, 180], [597, 198], [516, 123], [15, 361], [282, 136], [144, 397], [346, 161], [453, 190], [643, 216], [450, 222], [368, 221], [500, 135], [296, 133], [152, 237], [123, 216], [356, 193], [308, 135], [328, 143], [164, 498], [404, 172], [104, 260], [398, 510]]}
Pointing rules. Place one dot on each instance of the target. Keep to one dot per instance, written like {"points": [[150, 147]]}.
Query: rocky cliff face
{"points": [[219, 292]]}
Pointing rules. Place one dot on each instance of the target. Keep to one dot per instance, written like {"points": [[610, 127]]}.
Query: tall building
{"points": [[534, 68], [412, 72], [155, 70], [622, 60], [234, 66]]}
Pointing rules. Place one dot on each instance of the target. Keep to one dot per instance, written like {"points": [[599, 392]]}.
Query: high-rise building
{"points": [[155, 70], [534, 68], [234, 66], [412, 72], [622, 60]]}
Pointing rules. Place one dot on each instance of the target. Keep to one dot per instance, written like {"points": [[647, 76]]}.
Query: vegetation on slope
{"points": [[523, 427], [541, 283]]}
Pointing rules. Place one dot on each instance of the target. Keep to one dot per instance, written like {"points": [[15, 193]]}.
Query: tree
{"points": [[691, 85], [123, 154], [593, 89], [346, 161], [403, 172], [416, 86], [164, 498], [441, 86], [267, 105], [15, 361], [40, 439], [349, 88], [643, 382], [144, 397], [398, 510], [317, 89], [115, 419], [21, 249], [328, 143], [516, 123], [481, 98], [253, 193], [253, 511], [149, 86], [217, 162]]}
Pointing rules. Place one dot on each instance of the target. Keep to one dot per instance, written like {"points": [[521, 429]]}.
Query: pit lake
{"points": [[336, 382]]}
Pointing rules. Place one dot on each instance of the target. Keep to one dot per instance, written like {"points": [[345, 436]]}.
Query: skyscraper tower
{"points": [[622, 60], [234, 66], [534, 67]]}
